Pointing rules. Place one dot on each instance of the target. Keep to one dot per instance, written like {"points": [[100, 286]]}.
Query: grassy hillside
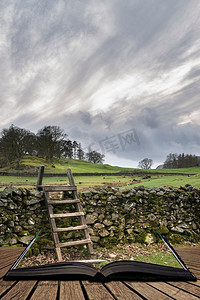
{"points": [[77, 166], [29, 163]]}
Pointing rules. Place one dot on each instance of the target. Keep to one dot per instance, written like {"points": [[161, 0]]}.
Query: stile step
{"points": [[63, 201], [58, 188], [66, 215], [71, 228], [74, 243]]}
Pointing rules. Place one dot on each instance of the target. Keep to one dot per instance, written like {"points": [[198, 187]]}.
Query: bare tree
{"points": [[146, 163]]}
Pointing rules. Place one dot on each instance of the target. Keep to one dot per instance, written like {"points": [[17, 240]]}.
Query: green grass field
{"points": [[172, 180], [30, 165], [84, 182], [166, 259], [194, 170]]}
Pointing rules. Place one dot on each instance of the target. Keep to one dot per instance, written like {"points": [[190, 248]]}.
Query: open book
{"points": [[119, 270]]}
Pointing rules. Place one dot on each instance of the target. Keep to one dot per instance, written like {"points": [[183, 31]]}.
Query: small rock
{"points": [[11, 224], [26, 239], [91, 218], [12, 241], [17, 229], [12, 206], [151, 217], [114, 216], [31, 221], [38, 194], [107, 222], [160, 193], [103, 233], [95, 238], [101, 217], [194, 226], [184, 226], [98, 226], [177, 229], [149, 239], [33, 201], [111, 255]]}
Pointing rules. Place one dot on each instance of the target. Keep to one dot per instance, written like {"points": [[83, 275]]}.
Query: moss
{"points": [[162, 229], [24, 191], [29, 253], [108, 242], [36, 251], [192, 236], [17, 245], [43, 241], [24, 232], [160, 210], [154, 224], [4, 243], [130, 238], [141, 237], [10, 216], [24, 200], [175, 238], [58, 210]]}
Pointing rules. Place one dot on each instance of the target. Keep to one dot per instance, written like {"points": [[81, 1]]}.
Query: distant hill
{"points": [[160, 167]]}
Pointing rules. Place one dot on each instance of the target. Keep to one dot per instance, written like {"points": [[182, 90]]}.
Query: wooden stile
{"points": [[47, 189], [40, 177]]}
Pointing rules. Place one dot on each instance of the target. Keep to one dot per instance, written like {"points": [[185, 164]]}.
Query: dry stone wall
{"points": [[113, 216]]}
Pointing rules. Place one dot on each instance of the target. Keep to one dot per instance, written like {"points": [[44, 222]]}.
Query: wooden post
{"points": [[70, 177], [40, 177]]}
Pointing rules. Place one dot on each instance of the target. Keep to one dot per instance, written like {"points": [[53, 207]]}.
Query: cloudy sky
{"points": [[121, 77]]}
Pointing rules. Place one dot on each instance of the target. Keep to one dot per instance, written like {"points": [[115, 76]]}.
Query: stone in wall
{"points": [[136, 214], [113, 216]]}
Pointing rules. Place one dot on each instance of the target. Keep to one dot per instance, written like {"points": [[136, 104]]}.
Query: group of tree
{"points": [[50, 142], [174, 161]]}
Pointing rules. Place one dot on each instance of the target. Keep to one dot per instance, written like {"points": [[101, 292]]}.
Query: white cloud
{"points": [[135, 62], [193, 117]]}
